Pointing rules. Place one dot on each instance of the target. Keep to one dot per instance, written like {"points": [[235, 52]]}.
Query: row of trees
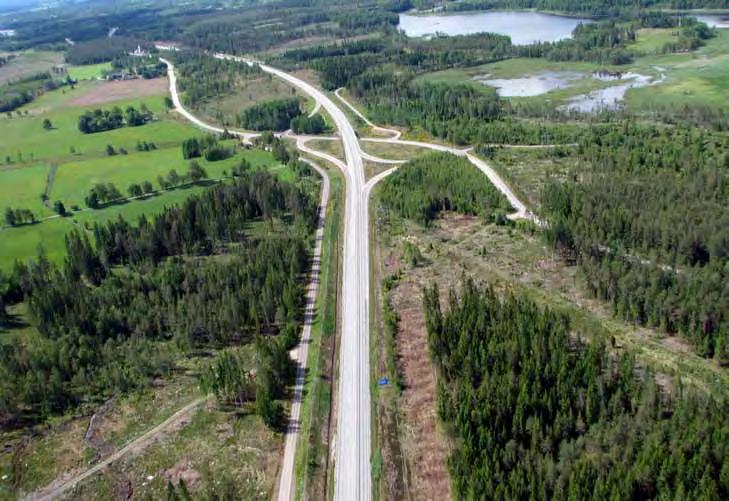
{"points": [[125, 302], [15, 217], [103, 120], [427, 185], [15, 94], [102, 193], [537, 413]]}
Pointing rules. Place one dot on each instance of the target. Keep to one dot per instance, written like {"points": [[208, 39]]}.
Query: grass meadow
{"points": [[28, 152], [697, 78]]}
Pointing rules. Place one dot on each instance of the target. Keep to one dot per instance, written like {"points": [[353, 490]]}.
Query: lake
{"points": [[524, 28], [714, 21]]}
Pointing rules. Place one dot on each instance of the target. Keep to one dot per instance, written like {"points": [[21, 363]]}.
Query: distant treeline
{"points": [[104, 49], [600, 8], [538, 413]]}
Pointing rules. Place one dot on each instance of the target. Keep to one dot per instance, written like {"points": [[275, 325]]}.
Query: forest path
{"points": [[60, 485]]}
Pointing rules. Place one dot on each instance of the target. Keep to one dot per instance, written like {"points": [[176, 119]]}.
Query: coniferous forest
{"points": [[539, 414], [130, 297], [437, 182], [645, 217]]}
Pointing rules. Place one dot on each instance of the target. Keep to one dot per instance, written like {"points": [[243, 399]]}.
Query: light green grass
{"points": [[75, 179], [25, 241], [22, 188], [699, 78], [89, 72], [652, 40], [24, 139]]}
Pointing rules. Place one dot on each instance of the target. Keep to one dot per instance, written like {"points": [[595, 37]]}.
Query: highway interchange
{"points": [[353, 424]]}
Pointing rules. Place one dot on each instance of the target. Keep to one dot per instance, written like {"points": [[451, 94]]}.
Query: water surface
{"points": [[610, 98], [714, 20], [530, 85], [524, 28]]}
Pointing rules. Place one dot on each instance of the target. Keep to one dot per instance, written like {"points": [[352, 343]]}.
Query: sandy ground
{"points": [[107, 92]]}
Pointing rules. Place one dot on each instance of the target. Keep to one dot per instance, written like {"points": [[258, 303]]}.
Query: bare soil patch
{"points": [[108, 92], [425, 447]]}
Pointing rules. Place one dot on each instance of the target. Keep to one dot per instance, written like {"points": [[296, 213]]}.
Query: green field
{"points": [[697, 78], [31, 150], [88, 72], [22, 188], [75, 179], [24, 139]]}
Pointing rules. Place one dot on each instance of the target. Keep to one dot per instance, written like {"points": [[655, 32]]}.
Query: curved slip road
{"points": [[395, 133]]}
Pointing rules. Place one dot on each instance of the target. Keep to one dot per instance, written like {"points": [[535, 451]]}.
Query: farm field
{"points": [[76, 161], [24, 139], [88, 72], [29, 63]]}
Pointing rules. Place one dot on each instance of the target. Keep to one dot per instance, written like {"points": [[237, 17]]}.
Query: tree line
{"points": [[22, 91], [538, 413], [207, 146], [100, 120]]}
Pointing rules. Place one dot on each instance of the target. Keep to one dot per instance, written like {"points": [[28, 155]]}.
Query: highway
{"points": [[353, 437], [352, 458]]}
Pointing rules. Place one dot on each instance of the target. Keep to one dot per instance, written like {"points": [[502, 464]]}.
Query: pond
{"points": [[715, 21], [607, 98], [530, 85], [524, 28], [611, 98]]}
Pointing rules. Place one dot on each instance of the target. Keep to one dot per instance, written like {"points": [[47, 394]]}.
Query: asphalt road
{"points": [[287, 485], [353, 438], [352, 463]]}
